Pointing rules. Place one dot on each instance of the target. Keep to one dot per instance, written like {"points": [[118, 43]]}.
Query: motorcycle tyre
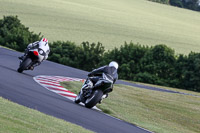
{"points": [[94, 99], [77, 99], [24, 65]]}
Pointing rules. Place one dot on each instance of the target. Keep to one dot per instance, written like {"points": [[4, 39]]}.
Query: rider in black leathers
{"points": [[110, 71]]}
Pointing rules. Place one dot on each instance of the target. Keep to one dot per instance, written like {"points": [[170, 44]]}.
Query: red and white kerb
{"points": [[52, 83]]}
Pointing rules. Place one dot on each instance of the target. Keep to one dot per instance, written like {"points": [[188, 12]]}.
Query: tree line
{"points": [[188, 4], [148, 64]]}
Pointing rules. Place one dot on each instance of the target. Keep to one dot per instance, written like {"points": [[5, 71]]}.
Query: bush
{"points": [[128, 57], [89, 55], [146, 78], [15, 35], [63, 52], [189, 4], [177, 3], [190, 72], [86, 56], [159, 61]]}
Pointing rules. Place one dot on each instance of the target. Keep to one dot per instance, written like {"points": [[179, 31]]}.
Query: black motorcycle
{"points": [[89, 95], [32, 59]]}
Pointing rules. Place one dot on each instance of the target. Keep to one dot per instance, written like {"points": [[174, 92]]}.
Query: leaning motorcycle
{"points": [[89, 95], [33, 58]]}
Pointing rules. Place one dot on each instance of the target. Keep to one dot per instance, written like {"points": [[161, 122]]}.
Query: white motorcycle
{"points": [[32, 59]]}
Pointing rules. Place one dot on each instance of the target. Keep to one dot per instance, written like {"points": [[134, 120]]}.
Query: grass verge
{"points": [[168, 88], [16, 118], [156, 111]]}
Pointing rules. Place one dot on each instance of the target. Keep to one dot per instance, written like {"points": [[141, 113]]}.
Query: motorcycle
{"points": [[33, 58], [90, 95]]}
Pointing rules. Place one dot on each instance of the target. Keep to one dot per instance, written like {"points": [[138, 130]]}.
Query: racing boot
{"points": [[21, 57], [37, 64], [103, 97], [31, 68]]}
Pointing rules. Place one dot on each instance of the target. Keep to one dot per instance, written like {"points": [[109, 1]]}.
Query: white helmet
{"points": [[44, 41], [113, 64]]}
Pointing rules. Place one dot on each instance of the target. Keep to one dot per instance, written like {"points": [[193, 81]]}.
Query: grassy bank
{"points": [[109, 21], [157, 111], [15, 118], [168, 88]]}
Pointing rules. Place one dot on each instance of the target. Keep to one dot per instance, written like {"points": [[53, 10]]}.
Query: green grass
{"points": [[109, 21], [168, 88], [16, 118], [156, 111]]}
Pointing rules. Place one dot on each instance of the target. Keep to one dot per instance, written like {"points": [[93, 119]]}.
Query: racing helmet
{"points": [[113, 64], [44, 41]]}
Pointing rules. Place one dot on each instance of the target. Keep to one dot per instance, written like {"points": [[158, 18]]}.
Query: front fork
{"points": [[86, 90]]}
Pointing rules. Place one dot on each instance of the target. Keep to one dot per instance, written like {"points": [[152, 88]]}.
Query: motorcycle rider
{"points": [[34, 45], [110, 71]]}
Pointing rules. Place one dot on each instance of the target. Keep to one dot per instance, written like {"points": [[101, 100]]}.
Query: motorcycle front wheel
{"points": [[77, 99], [24, 65], [94, 99]]}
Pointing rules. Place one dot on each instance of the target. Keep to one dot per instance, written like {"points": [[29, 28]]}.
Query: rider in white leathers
{"points": [[42, 43]]}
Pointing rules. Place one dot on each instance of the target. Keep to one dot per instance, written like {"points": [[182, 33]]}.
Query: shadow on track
{"points": [[14, 70]]}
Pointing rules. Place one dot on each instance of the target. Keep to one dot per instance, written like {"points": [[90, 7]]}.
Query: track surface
{"points": [[22, 89]]}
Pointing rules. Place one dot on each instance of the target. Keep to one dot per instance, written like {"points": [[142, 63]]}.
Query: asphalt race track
{"points": [[22, 89]]}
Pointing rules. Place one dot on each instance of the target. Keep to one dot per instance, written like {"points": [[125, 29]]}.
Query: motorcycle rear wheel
{"points": [[24, 65], [94, 99]]}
